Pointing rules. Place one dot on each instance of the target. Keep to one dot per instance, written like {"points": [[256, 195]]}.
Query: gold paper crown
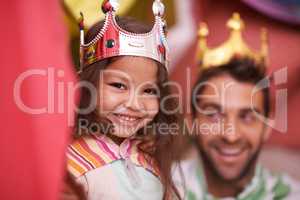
{"points": [[234, 47]]}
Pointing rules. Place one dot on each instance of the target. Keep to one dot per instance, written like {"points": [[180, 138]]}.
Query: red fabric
{"points": [[32, 146]]}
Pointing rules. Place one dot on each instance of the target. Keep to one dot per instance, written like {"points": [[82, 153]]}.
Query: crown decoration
{"points": [[113, 41], [234, 47]]}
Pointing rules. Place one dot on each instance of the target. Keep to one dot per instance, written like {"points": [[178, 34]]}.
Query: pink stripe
{"points": [[78, 158], [129, 149], [86, 146], [110, 144], [107, 150]]}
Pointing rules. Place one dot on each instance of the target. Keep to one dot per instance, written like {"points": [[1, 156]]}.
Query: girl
{"points": [[125, 63]]}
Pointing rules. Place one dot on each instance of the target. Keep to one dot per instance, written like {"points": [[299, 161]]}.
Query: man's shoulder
{"points": [[187, 177], [292, 182], [283, 184], [188, 166]]}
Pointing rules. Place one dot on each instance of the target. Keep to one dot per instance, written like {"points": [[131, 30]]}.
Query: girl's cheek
{"points": [[109, 100], [152, 107]]}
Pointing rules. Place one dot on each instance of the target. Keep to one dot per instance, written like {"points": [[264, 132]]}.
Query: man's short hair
{"points": [[241, 70]]}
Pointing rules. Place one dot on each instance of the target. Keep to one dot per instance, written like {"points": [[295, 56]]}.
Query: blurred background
{"points": [[44, 34]]}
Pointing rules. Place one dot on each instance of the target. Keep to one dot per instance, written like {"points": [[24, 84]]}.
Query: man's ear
{"points": [[268, 127], [188, 123], [269, 123]]}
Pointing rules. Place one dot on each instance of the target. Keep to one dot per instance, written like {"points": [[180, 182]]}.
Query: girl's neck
{"points": [[117, 140]]}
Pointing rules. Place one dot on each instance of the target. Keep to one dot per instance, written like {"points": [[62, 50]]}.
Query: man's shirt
{"points": [[190, 181]]}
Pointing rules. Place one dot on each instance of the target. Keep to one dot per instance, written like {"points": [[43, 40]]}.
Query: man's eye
{"points": [[248, 118], [118, 85], [150, 91], [214, 116]]}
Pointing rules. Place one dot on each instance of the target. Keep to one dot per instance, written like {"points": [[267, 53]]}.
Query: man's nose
{"points": [[232, 132]]}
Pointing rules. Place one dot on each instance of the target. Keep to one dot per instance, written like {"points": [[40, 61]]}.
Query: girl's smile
{"points": [[127, 118]]}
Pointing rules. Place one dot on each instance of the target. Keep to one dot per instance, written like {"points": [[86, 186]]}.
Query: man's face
{"points": [[231, 134]]}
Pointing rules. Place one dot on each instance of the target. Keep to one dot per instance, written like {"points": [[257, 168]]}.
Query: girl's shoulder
{"points": [[91, 152], [86, 153]]}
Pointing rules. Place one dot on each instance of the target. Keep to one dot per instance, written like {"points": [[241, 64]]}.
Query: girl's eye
{"points": [[150, 91], [120, 86]]}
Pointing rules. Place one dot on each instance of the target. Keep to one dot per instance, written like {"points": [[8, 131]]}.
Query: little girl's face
{"points": [[128, 94]]}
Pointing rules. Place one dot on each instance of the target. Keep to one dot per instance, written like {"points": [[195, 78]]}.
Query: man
{"points": [[230, 111]]}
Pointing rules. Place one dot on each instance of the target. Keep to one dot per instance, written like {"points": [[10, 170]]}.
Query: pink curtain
{"points": [[35, 64]]}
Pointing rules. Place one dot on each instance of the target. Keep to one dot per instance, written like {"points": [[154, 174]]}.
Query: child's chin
{"points": [[123, 133]]}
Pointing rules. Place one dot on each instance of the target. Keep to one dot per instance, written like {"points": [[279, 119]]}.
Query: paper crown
{"points": [[234, 47], [113, 41]]}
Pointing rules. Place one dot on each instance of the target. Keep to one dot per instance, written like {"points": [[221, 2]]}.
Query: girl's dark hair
{"points": [[241, 69], [165, 143]]}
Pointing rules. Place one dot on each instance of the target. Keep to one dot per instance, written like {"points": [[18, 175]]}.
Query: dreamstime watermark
{"points": [[61, 95]]}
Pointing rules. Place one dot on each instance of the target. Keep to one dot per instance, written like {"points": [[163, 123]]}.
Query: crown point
{"points": [[235, 22], [203, 30], [106, 6], [236, 15], [115, 4], [81, 21], [158, 8], [264, 43], [264, 35], [109, 5]]}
